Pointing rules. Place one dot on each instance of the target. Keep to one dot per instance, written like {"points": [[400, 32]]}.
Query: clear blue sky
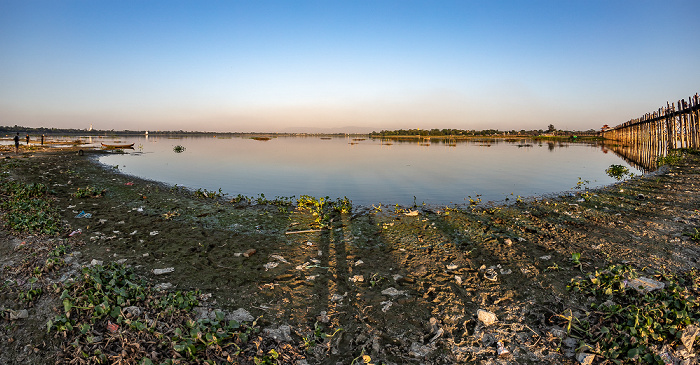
{"points": [[274, 65]]}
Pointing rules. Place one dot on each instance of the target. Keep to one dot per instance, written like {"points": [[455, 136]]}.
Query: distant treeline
{"points": [[103, 132], [384, 133], [86, 132], [467, 133]]}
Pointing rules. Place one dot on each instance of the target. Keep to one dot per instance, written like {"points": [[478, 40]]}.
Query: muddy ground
{"points": [[401, 285]]}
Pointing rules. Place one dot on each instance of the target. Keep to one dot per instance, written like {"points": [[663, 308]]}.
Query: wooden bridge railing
{"points": [[674, 126]]}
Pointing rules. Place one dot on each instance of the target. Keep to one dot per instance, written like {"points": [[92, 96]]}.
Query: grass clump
{"points": [[109, 310], [626, 325], [324, 209], [89, 192], [29, 208]]}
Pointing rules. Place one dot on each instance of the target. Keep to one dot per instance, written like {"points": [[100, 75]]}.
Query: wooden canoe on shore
{"points": [[125, 145]]}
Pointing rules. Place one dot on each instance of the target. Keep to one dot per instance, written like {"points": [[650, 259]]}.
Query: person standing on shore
{"points": [[17, 143], [27, 139], [42, 139]]}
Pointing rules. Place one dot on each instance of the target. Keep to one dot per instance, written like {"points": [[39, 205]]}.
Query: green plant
{"points": [[32, 293], [179, 149], [208, 194], [694, 236], [89, 192], [323, 209], [673, 157], [576, 260], [618, 172], [29, 208], [627, 325]]}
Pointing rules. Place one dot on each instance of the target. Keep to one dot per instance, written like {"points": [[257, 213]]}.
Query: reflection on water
{"points": [[370, 171]]}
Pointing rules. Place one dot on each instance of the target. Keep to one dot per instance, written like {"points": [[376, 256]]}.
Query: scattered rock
{"points": [[20, 314], [486, 317], [240, 315], [585, 359], [270, 265], [280, 334], [163, 271], [452, 267], [337, 297], [393, 292], [546, 257], [645, 285], [359, 262], [279, 258], [458, 279], [96, 262], [490, 274], [386, 305], [132, 311], [163, 286], [323, 317], [357, 278], [557, 332], [250, 252]]}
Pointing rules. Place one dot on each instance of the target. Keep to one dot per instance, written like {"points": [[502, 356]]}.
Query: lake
{"points": [[368, 171]]}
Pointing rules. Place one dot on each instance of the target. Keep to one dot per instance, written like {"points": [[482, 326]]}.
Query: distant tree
{"points": [[551, 128]]}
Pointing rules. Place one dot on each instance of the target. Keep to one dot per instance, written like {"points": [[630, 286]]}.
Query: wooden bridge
{"points": [[675, 126]]}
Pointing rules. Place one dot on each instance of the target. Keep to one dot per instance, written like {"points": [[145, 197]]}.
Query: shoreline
{"points": [[437, 259]]}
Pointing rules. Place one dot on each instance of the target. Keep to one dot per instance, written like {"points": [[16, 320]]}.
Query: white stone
{"points": [[645, 285], [270, 265], [163, 271], [357, 278], [240, 315], [486, 317], [585, 359], [393, 292], [20, 314]]}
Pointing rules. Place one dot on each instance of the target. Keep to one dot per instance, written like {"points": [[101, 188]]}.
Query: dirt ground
{"points": [[401, 285]]}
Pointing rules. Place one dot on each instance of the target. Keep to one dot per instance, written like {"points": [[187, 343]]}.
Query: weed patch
{"points": [[89, 192], [625, 324], [28, 208], [110, 310]]}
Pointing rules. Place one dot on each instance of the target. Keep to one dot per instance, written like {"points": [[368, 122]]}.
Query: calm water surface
{"points": [[368, 171]]}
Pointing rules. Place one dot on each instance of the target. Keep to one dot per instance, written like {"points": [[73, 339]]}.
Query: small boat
{"points": [[124, 145]]}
